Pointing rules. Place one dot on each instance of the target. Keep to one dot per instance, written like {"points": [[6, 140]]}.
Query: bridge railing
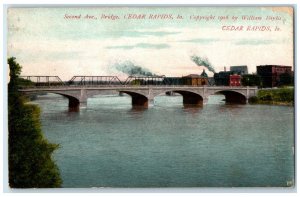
{"points": [[42, 81], [94, 80], [145, 80], [108, 81]]}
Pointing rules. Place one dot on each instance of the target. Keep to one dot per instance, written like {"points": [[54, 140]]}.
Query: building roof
{"points": [[240, 66], [274, 66], [192, 76]]}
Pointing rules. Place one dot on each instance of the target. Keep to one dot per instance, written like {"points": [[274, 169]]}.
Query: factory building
{"points": [[270, 74]]}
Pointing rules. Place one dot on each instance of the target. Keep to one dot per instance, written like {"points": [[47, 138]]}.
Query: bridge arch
{"points": [[74, 102], [190, 98], [232, 96], [137, 99]]}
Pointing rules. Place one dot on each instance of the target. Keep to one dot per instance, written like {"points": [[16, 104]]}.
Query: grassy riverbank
{"points": [[278, 96]]}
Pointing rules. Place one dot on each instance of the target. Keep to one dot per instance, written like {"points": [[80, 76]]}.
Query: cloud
{"points": [[145, 33], [141, 45], [34, 56], [102, 35], [255, 42], [201, 40]]}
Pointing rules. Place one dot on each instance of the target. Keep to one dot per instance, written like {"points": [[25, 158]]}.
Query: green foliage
{"points": [[30, 162], [24, 82], [15, 71], [251, 80], [14, 67], [276, 96], [253, 100]]}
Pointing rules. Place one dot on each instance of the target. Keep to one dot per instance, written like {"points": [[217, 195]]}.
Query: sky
{"points": [[54, 41]]}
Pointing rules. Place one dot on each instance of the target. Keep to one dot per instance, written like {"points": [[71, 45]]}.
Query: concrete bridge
{"points": [[143, 95]]}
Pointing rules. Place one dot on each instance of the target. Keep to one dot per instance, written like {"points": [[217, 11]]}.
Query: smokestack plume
{"points": [[203, 61], [130, 69]]}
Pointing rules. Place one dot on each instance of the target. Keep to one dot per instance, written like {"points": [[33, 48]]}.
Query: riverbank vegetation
{"points": [[278, 96], [30, 154]]}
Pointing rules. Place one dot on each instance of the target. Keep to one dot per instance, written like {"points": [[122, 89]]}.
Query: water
{"points": [[110, 144]]}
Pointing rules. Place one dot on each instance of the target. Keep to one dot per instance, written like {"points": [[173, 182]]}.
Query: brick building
{"points": [[270, 74]]}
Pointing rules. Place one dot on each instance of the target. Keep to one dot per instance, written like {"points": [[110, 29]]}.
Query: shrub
{"points": [[253, 100]]}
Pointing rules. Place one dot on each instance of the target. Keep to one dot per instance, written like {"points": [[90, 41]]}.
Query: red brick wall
{"points": [[235, 80]]}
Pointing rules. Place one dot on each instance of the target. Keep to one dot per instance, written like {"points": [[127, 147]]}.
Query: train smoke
{"points": [[200, 61], [130, 69]]}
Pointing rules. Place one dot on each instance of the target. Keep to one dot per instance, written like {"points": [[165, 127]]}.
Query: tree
{"points": [[30, 160]]}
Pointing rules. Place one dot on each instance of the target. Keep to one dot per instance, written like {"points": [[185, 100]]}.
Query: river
{"points": [[111, 144]]}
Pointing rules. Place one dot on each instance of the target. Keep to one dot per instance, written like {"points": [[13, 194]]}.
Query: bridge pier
{"points": [[73, 104], [137, 100], [205, 101], [150, 101], [76, 103]]}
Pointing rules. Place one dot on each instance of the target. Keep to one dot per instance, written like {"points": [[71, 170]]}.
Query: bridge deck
{"points": [[142, 95], [118, 87]]}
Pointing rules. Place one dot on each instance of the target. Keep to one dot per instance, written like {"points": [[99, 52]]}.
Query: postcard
{"points": [[151, 96]]}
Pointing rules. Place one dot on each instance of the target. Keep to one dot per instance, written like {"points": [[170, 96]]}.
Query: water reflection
{"points": [[73, 113], [137, 111], [192, 109], [74, 109]]}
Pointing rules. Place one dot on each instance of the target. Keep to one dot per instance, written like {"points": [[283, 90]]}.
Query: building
{"points": [[196, 80], [240, 70], [270, 74], [235, 80]]}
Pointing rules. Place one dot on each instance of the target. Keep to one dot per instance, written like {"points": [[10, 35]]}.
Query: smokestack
{"points": [[225, 68]]}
